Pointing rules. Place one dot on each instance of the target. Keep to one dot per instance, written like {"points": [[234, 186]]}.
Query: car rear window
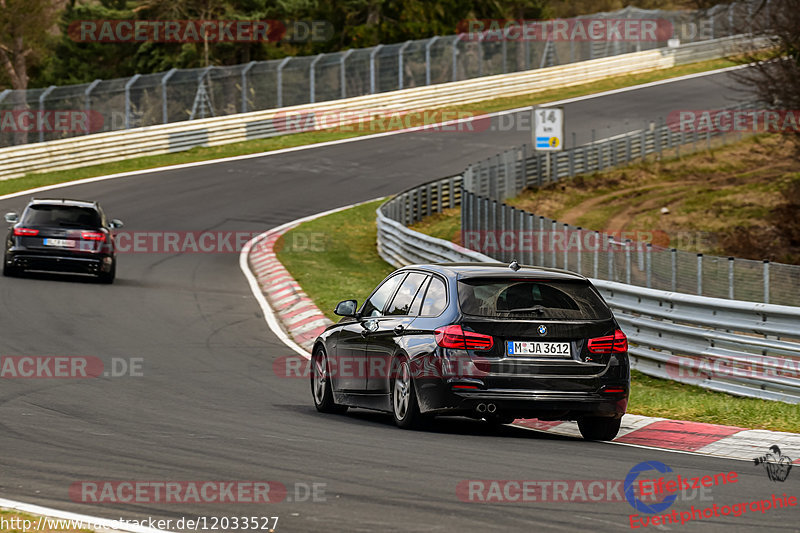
{"points": [[529, 298], [61, 215]]}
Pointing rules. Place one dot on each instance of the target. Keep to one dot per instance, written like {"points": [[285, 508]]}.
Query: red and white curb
{"points": [[296, 312], [297, 321], [689, 437]]}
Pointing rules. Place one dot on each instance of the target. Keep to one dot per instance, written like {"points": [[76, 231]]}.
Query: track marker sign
{"points": [[548, 129]]}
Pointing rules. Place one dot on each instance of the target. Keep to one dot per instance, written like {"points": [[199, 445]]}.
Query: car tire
{"points": [[321, 390], [405, 408], [599, 428], [108, 277]]}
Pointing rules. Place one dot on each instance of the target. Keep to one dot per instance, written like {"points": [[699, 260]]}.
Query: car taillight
{"points": [[455, 337], [25, 232], [616, 343], [93, 236]]}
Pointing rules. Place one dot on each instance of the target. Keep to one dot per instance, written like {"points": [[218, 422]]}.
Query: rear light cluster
{"points": [[93, 236], [616, 343], [455, 337], [25, 232]]}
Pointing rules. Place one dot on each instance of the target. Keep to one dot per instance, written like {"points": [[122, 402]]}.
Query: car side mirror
{"points": [[12, 218], [346, 308], [116, 223]]}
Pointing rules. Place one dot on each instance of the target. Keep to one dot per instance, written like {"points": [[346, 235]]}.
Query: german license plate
{"points": [[539, 349], [61, 243]]}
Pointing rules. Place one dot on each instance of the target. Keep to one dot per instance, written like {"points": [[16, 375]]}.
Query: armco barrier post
{"points": [[400, 64], [164, 80], [628, 243], [649, 264], [279, 81], [128, 86], [245, 70], [87, 99], [766, 281], [428, 58], [455, 56], [673, 252], [42, 98], [730, 277], [699, 274], [343, 73], [372, 55], [312, 81]]}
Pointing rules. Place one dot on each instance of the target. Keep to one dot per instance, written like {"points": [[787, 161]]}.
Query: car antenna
{"points": [[514, 265]]}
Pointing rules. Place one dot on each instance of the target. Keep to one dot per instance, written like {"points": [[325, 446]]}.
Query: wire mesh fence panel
{"points": [[357, 73], [262, 86], [414, 68], [224, 89], [387, 61], [440, 59], [328, 77], [62, 113], [782, 279], [749, 280], [296, 81]]}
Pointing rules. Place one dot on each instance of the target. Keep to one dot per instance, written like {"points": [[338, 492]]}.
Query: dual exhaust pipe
{"points": [[486, 408]]}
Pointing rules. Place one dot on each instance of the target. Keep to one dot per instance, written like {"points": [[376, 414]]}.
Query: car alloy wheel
{"points": [[321, 384], [404, 398]]}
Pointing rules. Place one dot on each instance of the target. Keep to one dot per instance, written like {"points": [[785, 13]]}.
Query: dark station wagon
{"points": [[490, 341]]}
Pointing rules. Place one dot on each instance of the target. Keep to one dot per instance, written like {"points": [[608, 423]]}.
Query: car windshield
{"points": [[61, 215], [529, 298]]}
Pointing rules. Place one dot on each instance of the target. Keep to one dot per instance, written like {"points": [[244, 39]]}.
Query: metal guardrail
{"points": [[646, 259], [189, 94], [741, 348], [155, 140]]}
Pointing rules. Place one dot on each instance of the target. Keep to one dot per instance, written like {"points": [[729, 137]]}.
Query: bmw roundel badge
{"points": [[542, 330]]}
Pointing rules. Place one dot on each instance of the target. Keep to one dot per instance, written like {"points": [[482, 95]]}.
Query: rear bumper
{"points": [[519, 403], [60, 262]]}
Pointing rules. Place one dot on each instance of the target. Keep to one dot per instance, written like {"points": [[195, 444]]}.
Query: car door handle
{"points": [[399, 329]]}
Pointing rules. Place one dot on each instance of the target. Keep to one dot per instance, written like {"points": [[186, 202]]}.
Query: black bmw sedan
{"points": [[490, 341], [57, 235]]}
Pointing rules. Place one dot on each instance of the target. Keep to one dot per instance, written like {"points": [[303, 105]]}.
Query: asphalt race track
{"points": [[208, 406]]}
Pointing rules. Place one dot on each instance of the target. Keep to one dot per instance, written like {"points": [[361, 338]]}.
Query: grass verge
{"points": [[347, 265], [299, 139], [739, 199]]}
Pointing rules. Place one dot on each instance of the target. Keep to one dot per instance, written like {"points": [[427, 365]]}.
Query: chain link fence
{"points": [[38, 115], [503, 232]]}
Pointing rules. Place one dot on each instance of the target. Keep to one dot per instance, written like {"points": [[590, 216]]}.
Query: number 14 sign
{"points": [[548, 129]]}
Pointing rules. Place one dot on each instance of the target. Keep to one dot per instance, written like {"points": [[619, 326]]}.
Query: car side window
{"points": [[435, 298], [406, 294], [374, 306]]}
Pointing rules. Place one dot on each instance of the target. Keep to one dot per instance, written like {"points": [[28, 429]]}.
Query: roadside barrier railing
{"points": [[174, 137]]}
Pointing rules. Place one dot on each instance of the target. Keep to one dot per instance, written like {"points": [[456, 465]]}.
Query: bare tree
{"points": [[24, 27], [775, 75]]}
